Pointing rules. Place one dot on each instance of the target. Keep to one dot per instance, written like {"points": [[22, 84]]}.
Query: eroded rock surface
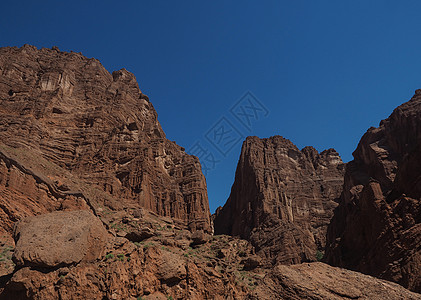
{"points": [[59, 239], [321, 281], [377, 226], [282, 199], [169, 265], [75, 136]]}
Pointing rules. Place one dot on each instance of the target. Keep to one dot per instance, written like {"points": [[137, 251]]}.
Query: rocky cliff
{"points": [[282, 199], [377, 226], [74, 136]]}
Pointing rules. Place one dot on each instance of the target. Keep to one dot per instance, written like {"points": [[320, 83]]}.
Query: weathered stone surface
{"points": [[377, 226], [156, 270], [100, 129], [321, 281], [282, 199], [59, 239], [139, 235], [199, 237]]}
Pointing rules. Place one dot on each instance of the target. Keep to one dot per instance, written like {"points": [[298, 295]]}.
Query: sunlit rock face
{"points": [[69, 128], [282, 199]]}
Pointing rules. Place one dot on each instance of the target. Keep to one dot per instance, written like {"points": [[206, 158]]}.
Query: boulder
{"points": [[59, 239]]}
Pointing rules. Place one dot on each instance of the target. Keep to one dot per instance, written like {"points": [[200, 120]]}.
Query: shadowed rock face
{"points": [[98, 140], [376, 228], [282, 199]]}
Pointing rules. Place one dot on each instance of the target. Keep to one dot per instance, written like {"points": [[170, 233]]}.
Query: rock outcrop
{"points": [[376, 228], [321, 281], [282, 199], [75, 136]]}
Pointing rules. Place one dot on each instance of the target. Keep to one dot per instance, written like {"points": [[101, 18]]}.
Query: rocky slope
{"points": [[72, 136], [146, 256], [282, 199], [377, 226]]}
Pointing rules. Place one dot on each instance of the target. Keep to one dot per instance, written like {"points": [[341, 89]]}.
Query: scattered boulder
{"points": [[171, 269], [251, 262], [59, 239], [140, 235], [199, 237]]}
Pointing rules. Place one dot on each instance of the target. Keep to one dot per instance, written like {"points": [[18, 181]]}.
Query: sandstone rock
{"points": [[251, 262], [59, 239], [100, 130], [377, 226], [321, 281], [139, 235], [282, 199], [171, 269], [199, 237]]}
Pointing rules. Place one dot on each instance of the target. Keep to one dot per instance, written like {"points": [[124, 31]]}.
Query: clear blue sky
{"points": [[325, 70]]}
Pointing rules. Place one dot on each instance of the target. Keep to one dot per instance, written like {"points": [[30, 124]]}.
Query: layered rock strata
{"points": [[282, 199], [377, 226], [70, 129]]}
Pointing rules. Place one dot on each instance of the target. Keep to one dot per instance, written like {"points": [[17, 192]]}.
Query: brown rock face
{"points": [[75, 136], [282, 199], [377, 226], [58, 239], [321, 281]]}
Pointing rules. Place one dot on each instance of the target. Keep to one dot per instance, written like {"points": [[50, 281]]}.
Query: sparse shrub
{"points": [[319, 255], [121, 257], [147, 245]]}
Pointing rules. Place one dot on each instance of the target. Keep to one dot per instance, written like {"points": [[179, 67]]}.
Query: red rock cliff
{"points": [[282, 198], [376, 228], [70, 129]]}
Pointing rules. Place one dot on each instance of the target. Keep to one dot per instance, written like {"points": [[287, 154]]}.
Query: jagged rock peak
{"points": [[282, 198], [376, 228]]}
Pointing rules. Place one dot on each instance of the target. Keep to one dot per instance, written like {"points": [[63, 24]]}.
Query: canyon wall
{"points": [[376, 228], [282, 199], [69, 128]]}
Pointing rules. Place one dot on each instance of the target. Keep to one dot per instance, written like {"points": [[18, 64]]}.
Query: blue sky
{"points": [[325, 70]]}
